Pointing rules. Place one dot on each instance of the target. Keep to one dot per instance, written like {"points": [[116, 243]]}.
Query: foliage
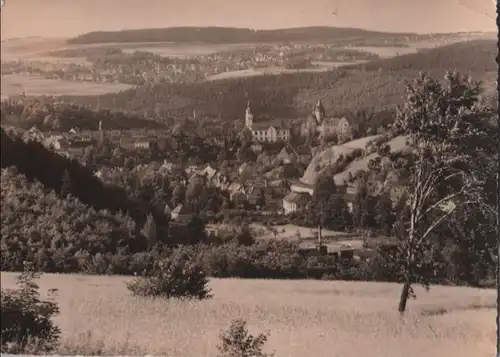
{"points": [[238, 342], [47, 116], [178, 277], [26, 318], [446, 126]]}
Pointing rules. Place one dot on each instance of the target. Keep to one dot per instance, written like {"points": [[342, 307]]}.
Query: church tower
{"points": [[249, 116], [319, 112]]}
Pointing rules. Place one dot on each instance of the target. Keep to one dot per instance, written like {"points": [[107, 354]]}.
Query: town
{"points": [[115, 65], [169, 191]]}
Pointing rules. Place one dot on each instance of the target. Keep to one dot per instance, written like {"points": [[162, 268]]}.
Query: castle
{"points": [[265, 131], [318, 124]]}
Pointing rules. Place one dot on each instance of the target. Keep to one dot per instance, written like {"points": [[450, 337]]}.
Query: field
{"points": [[330, 156], [319, 67], [315, 318], [17, 84]]}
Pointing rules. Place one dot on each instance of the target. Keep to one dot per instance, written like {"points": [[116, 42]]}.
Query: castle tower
{"points": [[249, 116], [319, 112]]}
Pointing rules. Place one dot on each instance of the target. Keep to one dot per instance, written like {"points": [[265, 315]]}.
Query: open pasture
{"points": [[305, 318]]}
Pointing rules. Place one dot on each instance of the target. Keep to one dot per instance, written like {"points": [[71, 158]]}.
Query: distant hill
{"points": [[232, 35], [373, 88]]}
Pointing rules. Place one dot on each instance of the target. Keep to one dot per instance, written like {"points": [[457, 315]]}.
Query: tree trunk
{"points": [[405, 294]]}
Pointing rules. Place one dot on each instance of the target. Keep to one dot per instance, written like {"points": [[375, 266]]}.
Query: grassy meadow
{"points": [[316, 318]]}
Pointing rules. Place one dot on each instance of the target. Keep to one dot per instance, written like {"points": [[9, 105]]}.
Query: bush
{"points": [[238, 342], [178, 276], [26, 319]]}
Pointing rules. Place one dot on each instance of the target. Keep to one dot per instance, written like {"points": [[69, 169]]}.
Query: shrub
{"points": [[26, 318], [178, 276], [238, 342]]}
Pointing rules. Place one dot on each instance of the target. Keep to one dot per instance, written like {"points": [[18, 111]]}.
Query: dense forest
{"points": [[68, 177], [47, 115], [219, 35], [365, 94], [470, 56]]}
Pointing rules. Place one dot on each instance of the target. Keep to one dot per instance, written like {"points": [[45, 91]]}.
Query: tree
{"points": [[319, 210], [443, 124], [149, 231], [66, 184], [363, 206], [384, 213], [340, 217]]}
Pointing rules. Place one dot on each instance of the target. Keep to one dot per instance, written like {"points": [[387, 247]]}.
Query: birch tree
{"points": [[444, 127]]}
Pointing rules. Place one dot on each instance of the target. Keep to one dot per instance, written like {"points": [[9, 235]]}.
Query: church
{"points": [[319, 124], [265, 131]]}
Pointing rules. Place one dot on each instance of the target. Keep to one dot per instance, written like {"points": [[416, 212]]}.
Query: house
{"points": [[209, 172], [265, 131], [244, 167], [57, 142], [238, 196], [319, 123], [303, 154], [218, 180], [256, 147], [255, 195], [35, 134], [73, 131], [181, 213], [300, 187], [167, 166], [167, 211], [286, 155], [142, 144], [294, 202]]}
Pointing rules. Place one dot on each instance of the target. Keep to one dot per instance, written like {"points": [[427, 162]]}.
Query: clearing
{"points": [[329, 156], [305, 318]]}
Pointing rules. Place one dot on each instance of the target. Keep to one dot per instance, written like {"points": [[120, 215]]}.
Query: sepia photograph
{"points": [[266, 178]]}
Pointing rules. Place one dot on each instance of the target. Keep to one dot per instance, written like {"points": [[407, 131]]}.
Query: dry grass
{"points": [[330, 155], [277, 70], [315, 318]]}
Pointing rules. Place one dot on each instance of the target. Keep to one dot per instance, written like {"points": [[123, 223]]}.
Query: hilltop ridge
{"points": [[234, 35]]}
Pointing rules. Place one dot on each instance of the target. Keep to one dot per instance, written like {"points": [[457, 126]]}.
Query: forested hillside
{"points": [[66, 176], [46, 116], [232, 35], [467, 57], [363, 97]]}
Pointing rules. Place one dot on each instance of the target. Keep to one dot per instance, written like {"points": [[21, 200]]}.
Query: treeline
{"points": [[466, 57], [220, 35], [48, 116]]}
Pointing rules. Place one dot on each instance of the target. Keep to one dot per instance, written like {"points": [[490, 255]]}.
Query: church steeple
{"points": [[249, 116], [319, 111]]}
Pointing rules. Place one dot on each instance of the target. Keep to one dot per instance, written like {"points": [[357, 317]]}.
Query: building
{"points": [[142, 144], [181, 213], [265, 131], [319, 124], [295, 201], [298, 186]]}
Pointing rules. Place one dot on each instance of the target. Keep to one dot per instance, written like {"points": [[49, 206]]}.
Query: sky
{"points": [[68, 18]]}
